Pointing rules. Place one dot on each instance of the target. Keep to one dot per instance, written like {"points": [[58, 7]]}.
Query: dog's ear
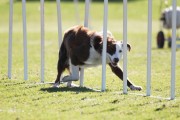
{"points": [[129, 46], [109, 34]]}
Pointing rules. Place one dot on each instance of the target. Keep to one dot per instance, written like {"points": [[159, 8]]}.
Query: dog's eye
{"points": [[120, 51]]}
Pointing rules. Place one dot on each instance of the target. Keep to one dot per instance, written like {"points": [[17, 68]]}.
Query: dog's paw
{"points": [[71, 84], [134, 87], [56, 85]]}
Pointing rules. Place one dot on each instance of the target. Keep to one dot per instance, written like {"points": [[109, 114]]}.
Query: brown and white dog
{"points": [[82, 48]]}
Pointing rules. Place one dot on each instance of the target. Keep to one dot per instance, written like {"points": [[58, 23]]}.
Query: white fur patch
{"points": [[94, 58], [71, 84]]}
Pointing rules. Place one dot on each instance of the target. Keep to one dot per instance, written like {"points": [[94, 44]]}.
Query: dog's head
{"points": [[114, 48], [115, 52]]}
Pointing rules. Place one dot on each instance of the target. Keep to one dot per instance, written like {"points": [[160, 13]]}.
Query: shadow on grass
{"points": [[66, 89]]}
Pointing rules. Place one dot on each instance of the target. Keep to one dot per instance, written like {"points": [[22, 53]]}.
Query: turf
{"points": [[21, 99]]}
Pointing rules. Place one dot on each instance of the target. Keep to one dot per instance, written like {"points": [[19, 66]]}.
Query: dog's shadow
{"points": [[69, 89]]}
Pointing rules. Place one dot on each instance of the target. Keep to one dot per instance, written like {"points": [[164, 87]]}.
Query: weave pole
{"points": [[86, 24], [149, 44], [10, 39], [42, 41], [59, 22], [86, 18], [25, 40], [125, 46], [105, 22], [173, 52]]}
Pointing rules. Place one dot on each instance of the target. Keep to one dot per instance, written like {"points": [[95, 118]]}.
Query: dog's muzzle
{"points": [[114, 62]]}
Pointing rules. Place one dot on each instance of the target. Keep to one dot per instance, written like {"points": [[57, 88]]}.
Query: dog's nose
{"points": [[116, 60]]}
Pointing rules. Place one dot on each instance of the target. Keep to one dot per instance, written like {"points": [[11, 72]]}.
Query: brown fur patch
{"points": [[77, 42]]}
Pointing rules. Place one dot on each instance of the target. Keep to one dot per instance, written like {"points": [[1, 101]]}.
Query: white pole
{"points": [[25, 39], [10, 38], [86, 21], [105, 22], [125, 46], [173, 52], [42, 40], [148, 90], [59, 22]]}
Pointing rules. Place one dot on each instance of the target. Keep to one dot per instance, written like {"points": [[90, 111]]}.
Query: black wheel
{"points": [[160, 39]]}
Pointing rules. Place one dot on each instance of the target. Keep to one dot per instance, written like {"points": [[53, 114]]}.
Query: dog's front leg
{"points": [[117, 70]]}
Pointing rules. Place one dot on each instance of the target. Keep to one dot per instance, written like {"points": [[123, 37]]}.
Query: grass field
{"points": [[27, 100]]}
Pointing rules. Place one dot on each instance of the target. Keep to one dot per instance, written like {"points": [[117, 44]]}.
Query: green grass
{"points": [[23, 100]]}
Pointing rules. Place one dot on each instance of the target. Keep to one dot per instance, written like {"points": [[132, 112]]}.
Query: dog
{"points": [[82, 48]]}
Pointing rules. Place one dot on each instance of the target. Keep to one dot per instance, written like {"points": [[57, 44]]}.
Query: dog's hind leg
{"points": [[63, 63], [74, 75], [60, 69], [117, 71]]}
